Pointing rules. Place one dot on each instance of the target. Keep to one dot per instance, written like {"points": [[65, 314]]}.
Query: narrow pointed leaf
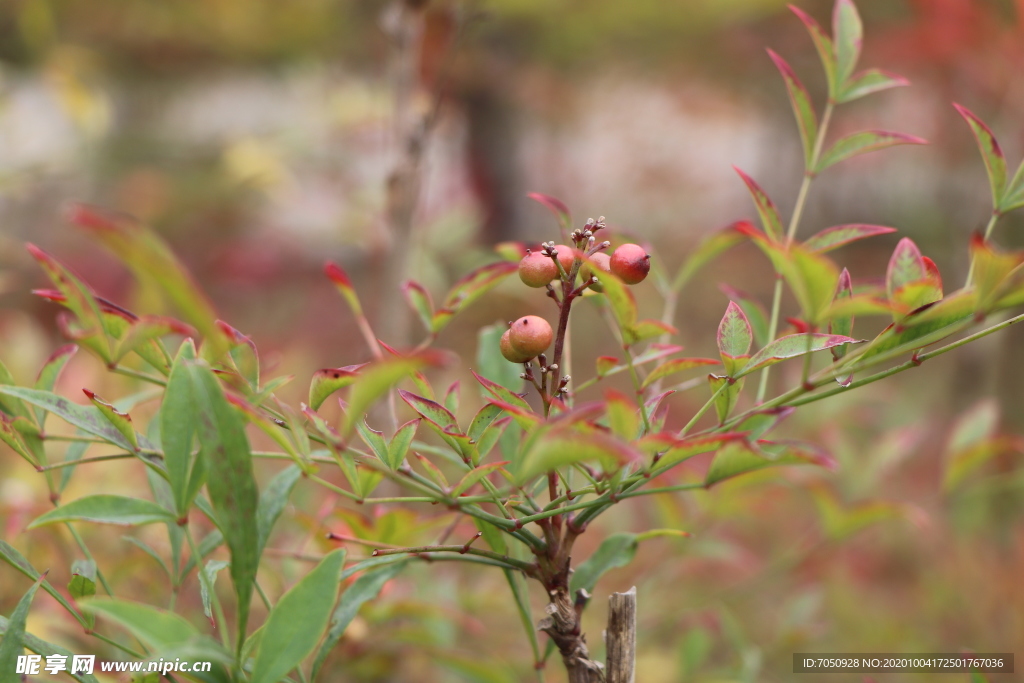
{"points": [[78, 298], [50, 372], [419, 300], [848, 34], [374, 439], [619, 297], [207, 581], [770, 220], [676, 365], [400, 442], [362, 590], [806, 119], [842, 325], [905, 266], [14, 634], [325, 382], [710, 247], [45, 649], [273, 500], [726, 400], [823, 44], [556, 207], [617, 550], [106, 509], [151, 260], [87, 418], [675, 451], [475, 475], [147, 329], [298, 620], [503, 394], [121, 421], [558, 449], [155, 627], [377, 379], [862, 143], [231, 482], [470, 288], [991, 154], [734, 333], [11, 556], [792, 346], [343, 284], [868, 82], [833, 238]]}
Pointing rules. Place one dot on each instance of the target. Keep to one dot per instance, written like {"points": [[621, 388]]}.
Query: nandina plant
{"points": [[533, 470]]}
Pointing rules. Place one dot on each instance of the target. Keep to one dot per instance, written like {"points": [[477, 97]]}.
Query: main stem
{"points": [[794, 222]]}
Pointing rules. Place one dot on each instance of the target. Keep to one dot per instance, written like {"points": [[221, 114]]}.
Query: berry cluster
{"points": [[528, 337]]}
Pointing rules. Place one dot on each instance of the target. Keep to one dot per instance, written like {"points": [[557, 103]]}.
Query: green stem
{"points": [[512, 563], [794, 222], [703, 409], [128, 372]]}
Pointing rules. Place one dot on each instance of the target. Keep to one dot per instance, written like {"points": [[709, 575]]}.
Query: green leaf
{"points": [[792, 346], [451, 398], [558, 448], [11, 436], [121, 421], [483, 418], [770, 220], [492, 364], [9, 405], [362, 590], [676, 365], [79, 299], [925, 326], [824, 46], [833, 238], [868, 82], [231, 482], [273, 498], [1014, 195], [863, 142], [734, 338], [11, 556], [178, 424], [146, 330], [905, 266], [806, 120], [207, 581], [325, 382], [674, 451], [398, 448], [152, 261], [710, 247], [106, 509], [49, 373], [740, 457], [295, 624], [848, 34], [475, 475], [45, 649], [83, 579], [646, 329], [756, 314], [86, 418], [991, 154], [155, 627], [374, 439], [726, 400], [420, 302], [615, 551], [14, 634], [813, 279], [434, 413], [502, 393], [841, 521], [470, 288], [339, 277], [619, 297], [622, 414], [376, 380]]}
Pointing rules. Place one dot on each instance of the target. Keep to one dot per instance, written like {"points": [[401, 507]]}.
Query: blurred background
{"points": [[400, 139]]}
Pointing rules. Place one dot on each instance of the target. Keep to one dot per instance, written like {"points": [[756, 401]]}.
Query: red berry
{"points": [[566, 255], [530, 335], [631, 263], [508, 352], [536, 269]]}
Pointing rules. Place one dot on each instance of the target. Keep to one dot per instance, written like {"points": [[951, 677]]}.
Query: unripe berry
{"points": [[530, 335], [603, 262], [510, 353], [536, 269], [631, 263]]}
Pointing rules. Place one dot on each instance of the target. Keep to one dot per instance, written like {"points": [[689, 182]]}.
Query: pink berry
{"points": [[510, 353], [566, 255], [530, 335], [536, 269], [631, 263]]}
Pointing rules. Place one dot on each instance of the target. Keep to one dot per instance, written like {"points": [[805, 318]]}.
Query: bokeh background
{"points": [[261, 138]]}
